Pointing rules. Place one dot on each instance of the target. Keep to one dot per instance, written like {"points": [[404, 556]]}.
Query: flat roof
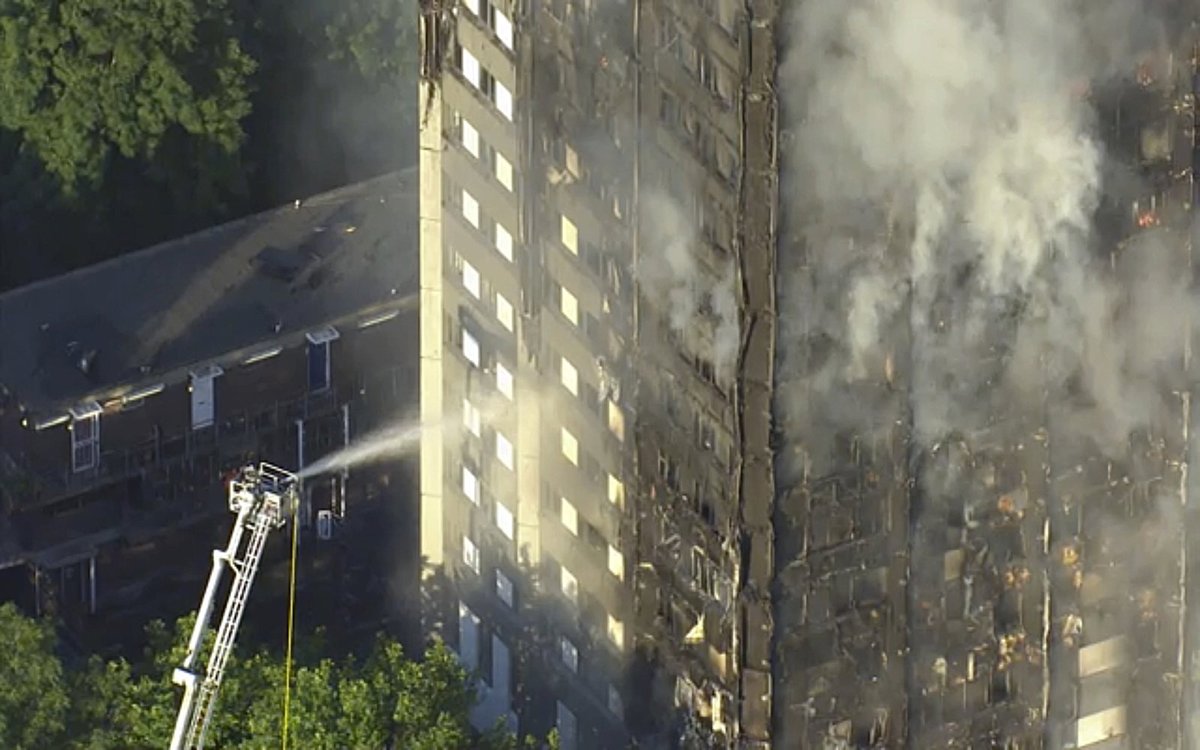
{"points": [[138, 317]]}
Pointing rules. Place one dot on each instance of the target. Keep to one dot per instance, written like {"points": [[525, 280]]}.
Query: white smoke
{"points": [[697, 290], [950, 170]]}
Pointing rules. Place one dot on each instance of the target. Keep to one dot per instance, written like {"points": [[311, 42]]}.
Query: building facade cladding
{"points": [[1011, 586], [629, 552]]}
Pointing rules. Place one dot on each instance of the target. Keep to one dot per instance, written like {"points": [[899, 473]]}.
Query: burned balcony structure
{"points": [[134, 384]]}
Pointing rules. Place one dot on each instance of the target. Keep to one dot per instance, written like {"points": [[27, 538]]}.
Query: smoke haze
{"points": [[949, 172]]}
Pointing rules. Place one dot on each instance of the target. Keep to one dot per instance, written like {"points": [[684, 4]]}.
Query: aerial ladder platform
{"points": [[263, 498]]}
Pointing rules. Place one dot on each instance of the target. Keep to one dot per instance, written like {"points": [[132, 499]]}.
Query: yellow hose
{"points": [[287, 661]]}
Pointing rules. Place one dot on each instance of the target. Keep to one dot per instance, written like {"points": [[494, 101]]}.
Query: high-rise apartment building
{"points": [[649, 496], [596, 277]]}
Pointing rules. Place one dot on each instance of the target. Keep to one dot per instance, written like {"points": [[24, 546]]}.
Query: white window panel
{"points": [[470, 554], [567, 726], [470, 209], [472, 5], [569, 304], [616, 632], [570, 376], [570, 654], [616, 491], [504, 29], [504, 450], [616, 562], [471, 280], [504, 100], [570, 585], [570, 517], [616, 421], [472, 419], [505, 521], [504, 587], [570, 235], [471, 348], [504, 312], [504, 380], [470, 68], [570, 446], [504, 172], [470, 485], [504, 242], [470, 138]]}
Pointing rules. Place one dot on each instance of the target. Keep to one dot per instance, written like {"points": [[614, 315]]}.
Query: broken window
{"points": [[318, 359]]}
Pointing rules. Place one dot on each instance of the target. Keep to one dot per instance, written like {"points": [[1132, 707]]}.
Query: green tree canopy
{"points": [[81, 80], [33, 690], [383, 700]]}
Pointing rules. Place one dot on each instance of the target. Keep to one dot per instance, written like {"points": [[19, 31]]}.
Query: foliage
{"points": [[82, 79], [382, 700], [33, 691]]}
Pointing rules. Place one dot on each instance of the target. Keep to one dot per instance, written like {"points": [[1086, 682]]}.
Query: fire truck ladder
{"points": [[263, 499]]}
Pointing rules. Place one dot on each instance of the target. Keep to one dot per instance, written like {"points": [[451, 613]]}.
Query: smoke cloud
{"points": [[948, 165], [696, 290]]}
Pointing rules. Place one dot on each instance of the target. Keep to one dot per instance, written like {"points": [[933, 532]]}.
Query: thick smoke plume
{"points": [[949, 169], [696, 291]]}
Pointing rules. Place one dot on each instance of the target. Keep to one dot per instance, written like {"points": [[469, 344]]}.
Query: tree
{"points": [[382, 700], [33, 691], [84, 80]]}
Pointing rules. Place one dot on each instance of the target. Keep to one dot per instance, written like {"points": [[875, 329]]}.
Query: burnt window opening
{"points": [[85, 437]]}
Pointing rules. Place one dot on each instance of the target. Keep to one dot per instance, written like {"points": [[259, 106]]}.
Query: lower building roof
{"points": [[131, 320]]}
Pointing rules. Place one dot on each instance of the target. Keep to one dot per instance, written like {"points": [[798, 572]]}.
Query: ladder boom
{"points": [[264, 498]]}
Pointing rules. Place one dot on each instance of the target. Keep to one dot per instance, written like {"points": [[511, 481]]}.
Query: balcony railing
{"points": [[23, 483]]}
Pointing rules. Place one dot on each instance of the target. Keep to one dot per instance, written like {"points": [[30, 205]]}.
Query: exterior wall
{"points": [[584, 136], [157, 474]]}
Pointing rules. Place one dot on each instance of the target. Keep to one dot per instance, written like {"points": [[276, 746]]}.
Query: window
{"points": [[470, 346], [570, 446], [472, 5], [203, 396], [570, 654], [504, 242], [504, 450], [472, 419], [616, 491], [470, 485], [504, 312], [470, 554], [616, 632], [470, 138], [569, 305], [571, 160], [616, 421], [470, 68], [468, 638], [470, 209], [318, 358], [614, 701], [470, 279], [503, 27], [570, 376], [504, 101], [570, 516], [570, 235], [504, 587], [616, 562], [568, 728], [85, 437], [505, 521], [504, 172], [569, 585], [504, 380]]}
